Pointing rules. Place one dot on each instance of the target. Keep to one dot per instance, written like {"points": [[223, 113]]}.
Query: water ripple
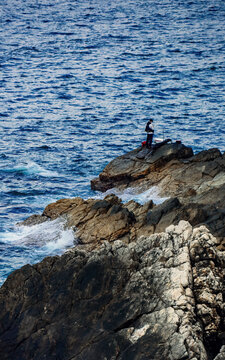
{"points": [[79, 81]]}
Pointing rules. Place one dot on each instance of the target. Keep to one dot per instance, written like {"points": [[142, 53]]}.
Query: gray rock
{"points": [[221, 355], [34, 220], [135, 301], [206, 155], [144, 296], [137, 164], [154, 216]]}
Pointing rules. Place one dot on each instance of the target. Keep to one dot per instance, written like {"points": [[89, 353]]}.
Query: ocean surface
{"points": [[78, 81]]}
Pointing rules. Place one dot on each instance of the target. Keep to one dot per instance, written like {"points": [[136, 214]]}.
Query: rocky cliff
{"points": [[158, 298], [144, 282], [194, 186]]}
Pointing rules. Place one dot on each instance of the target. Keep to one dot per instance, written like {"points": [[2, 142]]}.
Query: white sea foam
{"points": [[32, 168], [134, 194], [48, 236]]}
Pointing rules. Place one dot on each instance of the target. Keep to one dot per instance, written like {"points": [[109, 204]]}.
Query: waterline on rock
{"points": [[135, 194], [40, 234], [47, 239]]}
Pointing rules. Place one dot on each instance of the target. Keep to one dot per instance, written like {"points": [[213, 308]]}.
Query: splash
{"points": [[47, 237], [31, 168], [30, 244], [135, 194]]}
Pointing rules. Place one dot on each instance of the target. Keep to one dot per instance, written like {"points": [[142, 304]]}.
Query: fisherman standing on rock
{"points": [[150, 132]]}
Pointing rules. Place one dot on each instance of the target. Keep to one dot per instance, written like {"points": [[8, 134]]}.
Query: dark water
{"points": [[79, 79]]}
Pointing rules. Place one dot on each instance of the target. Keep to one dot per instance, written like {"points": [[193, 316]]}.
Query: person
{"points": [[150, 132]]}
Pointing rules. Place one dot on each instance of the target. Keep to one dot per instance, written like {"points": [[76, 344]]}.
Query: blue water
{"points": [[79, 79]]}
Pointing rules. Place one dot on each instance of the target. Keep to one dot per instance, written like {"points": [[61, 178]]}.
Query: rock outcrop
{"points": [[173, 168], [144, 282], [198, 181], [160, 297], [138, 164], [194, 185]]}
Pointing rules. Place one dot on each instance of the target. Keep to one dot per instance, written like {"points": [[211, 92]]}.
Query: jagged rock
{"points": [[61, 207], [193, 213], [127, 291], [95, 221], [144, 300], [208, 276], [137, 164], [154, 216], [197, 182]]}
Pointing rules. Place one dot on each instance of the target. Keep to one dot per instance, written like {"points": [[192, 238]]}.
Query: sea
{"points": [[78, 81]]}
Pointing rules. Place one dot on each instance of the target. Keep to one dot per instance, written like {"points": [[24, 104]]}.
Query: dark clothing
{"points": [[150, 132], [149, 140]]}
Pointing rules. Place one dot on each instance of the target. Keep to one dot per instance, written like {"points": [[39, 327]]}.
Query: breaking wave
{"points": [[30, 244], [51, 235], [31, 168], [135, 194]]}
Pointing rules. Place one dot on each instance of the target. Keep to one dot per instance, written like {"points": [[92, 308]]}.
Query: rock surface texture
{"points": [[144, 282], [158, 298], [194, 185], [138, 164], [197, 181]]}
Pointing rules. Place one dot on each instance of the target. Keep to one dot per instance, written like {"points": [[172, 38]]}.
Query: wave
{"points": [[23, 193], [133, 194], [66, 76], [24, 244], [45, 238], [61, 33], [31, 168], [65, 96]]}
